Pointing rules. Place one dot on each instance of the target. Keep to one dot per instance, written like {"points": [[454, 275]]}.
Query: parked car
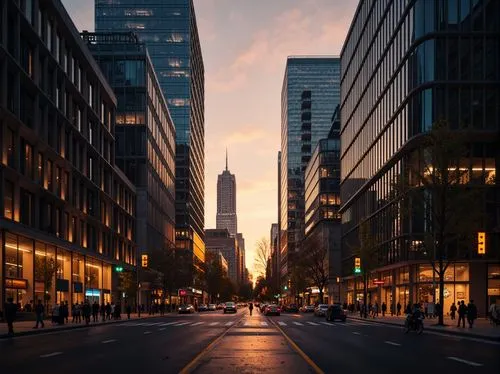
{"points": [[292, 308], [220, 306], [262, 307], [334, 312], [186, 309], [320, 310], [229, 307], [203, 308], [272, 309], [212, 307], [307, 309]]}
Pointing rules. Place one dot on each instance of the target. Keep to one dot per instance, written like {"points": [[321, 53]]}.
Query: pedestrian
{"points": [[10, 311], [118, 310], [108, 311], [128, 309], [250, 308], [437, 309], [55, 314], [471, 313], [86, 310], [73, 313], [162, 308], [78, 310], [493, 311], [39, 314], [398, 309], [462, 312], [375, 310], [102, 311], [66, 311], [95, 312], [453, 310], [384, 309]]}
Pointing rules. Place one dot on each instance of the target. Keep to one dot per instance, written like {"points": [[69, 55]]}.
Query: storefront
{"points": [[34, 270]]}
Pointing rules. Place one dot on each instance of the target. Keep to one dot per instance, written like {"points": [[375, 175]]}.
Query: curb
{"points": [[433, 329]]}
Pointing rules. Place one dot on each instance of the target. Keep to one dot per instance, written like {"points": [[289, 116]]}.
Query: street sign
{"points": [[357, 265], [481, 243]]}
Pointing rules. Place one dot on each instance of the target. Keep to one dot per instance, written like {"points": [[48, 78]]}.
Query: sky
{"points": [[245, 44]]}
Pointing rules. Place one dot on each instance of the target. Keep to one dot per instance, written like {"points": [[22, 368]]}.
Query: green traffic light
{"points": [[119, 269], [357, 271]]}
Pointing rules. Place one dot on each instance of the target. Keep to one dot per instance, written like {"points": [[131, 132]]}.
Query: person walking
{"points": [[384, 309], [375, 310], [462, 312], [108, 311], [471, 313], [453, 310], [86, 309], [128, 309], [95, 311], [39, 314], [102, 311], [250, 308], [10, 312], [398, 309]]}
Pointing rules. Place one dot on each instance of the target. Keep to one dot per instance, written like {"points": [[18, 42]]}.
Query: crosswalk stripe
{"points": [[182, 324], [263, 323], [152, 324], [169, 323], [313, 323], [247, 324], [228, 323], [281, 323], [298, 324], [197, 323], [214, 324]]}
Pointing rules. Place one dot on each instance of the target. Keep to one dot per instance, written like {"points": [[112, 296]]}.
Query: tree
{"points": [[246, 290], [45, 269], [214, 277], [315, 262], [262, 254], [127, 282], [298, 279], [367, 254], [440, 200]]}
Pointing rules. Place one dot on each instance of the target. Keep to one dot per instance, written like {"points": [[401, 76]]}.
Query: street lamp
{"points": [[338, 284]]}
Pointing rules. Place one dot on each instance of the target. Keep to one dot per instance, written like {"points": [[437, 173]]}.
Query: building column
{"points": [[478, 286]]}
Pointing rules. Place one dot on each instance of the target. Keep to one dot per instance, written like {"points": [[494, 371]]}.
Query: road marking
{"points": [[298, 324], [228, 323], [356, 333], [313, 323], [282, 323], [182, 324], [147, 332], [51, 354], [214, 324], [263, 323], [247, 323], [197, 323], [392, 343], [108, 341], [471, 363], [327, 323], [169, 323]]}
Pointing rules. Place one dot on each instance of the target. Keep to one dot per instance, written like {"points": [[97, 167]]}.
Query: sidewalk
{"points": [[26, 327], [482, 328]]}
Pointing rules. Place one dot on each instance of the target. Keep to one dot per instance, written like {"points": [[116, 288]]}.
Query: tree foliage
{"points": [[314, 262], [262, 254]]}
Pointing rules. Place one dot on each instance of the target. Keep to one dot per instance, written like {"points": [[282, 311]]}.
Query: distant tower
{"points": [[226, 201]]}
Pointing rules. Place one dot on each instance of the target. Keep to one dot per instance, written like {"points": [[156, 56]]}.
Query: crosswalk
{"points": [[255, 323]]}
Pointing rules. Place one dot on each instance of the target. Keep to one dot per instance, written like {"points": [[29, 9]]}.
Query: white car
{"points": [[320, 310]]}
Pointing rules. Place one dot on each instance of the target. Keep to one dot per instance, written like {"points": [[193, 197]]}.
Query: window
{"points": [[67, 227], [27, 8], [73, 229], [9, 145], [49, 36], [40, 169], [27, 160], [26, 202], [91, 95], [91, 169], [58, 181], [58, 231], [8, 200], [48, 181], [65, 186]]}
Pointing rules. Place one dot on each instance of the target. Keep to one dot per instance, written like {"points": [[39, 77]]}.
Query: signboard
{"points": [[19, 284], [182, 292], [77, 287], [481, 243], [144, 261]]}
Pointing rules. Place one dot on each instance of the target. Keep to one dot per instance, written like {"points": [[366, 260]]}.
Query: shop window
{"points": [[461, 272], [63, 275], [8, 200], [404, 275]]}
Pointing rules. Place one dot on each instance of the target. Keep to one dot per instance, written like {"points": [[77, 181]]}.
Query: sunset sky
{"points": [[245, 44]]}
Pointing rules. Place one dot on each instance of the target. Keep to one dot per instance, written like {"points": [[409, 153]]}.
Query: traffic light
{"points": [[144, 261], [481, 243], [119, 269], [357, 265]]}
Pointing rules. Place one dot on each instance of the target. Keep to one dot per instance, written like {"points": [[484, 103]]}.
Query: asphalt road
{"points": [[213, 342]]}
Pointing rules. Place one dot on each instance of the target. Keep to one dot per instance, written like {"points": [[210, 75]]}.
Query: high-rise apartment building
{"points": [[170, 32], [405, 65], [145, 145], [226, 201], [67, 221], [219, 240], [310, 93]]}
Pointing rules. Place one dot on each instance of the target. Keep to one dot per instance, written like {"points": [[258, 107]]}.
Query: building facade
{"points": [[240, 241], [322, 205], [219, 240], [310, 93], [170, 32], [406, 65], [145, 146], [226, 202], [66, 214]]}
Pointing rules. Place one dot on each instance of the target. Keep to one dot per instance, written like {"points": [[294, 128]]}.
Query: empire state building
{"points": [[226, 202]]}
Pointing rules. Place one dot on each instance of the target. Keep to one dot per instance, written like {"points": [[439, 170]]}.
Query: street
{"points": [[213, 342]]}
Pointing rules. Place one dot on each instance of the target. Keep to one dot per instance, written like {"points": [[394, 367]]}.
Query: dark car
{"points": [[229, 307], [203, 308], [272, 309], [188, 309], [292, 308], [334, 312]]}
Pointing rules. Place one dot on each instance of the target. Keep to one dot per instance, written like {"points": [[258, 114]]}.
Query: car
{"points": [[307, 309], [186, 309], [320, 310], [292, 308], [229, 307], [220, 306], [334, 312], [203, 308], [272, 309], [262, 307], [212, 307]]}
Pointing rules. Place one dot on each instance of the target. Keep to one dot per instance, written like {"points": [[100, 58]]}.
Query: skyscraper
{"points": [[310, 93], [405, 66], [226, 201], [170, 32]]}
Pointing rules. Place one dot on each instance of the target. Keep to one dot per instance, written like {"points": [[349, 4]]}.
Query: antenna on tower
{"points": [[226, 158]]}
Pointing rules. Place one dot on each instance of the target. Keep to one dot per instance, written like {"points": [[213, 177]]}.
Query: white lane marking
{"points": [[214, 324], [147, 332], [263, 323], [197, 323], [327, 323], [228, 323], [281, 323], [169, 323], [108, 341], [392, 343], [471, 363], [298, 324], [313, 323], [182, 324], [51, 354], [247, 324], [356, 333], [163, 328]]}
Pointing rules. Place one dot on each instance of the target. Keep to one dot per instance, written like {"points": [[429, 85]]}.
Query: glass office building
{"points": [[145, 145], [310, 93], [405, 65], [169, 30]]}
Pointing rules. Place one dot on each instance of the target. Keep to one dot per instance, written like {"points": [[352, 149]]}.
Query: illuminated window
{"points": [[8, 200], [176, 38], [135, 25], [174, 62]]}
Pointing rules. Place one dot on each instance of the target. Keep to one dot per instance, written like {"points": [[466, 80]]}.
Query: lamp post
{"points": [[338, 284]]}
